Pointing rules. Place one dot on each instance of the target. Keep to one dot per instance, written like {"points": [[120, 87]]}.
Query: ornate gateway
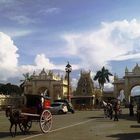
{"points": [[130, 80]]}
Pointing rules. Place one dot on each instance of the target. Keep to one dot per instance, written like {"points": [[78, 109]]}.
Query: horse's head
{"points": [[8, 111]]}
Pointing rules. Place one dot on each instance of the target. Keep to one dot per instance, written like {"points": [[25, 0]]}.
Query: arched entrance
{"points": [[135, 91], [130, 80]]}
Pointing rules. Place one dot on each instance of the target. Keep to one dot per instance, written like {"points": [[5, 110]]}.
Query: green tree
{"points": [[102, 76], [10, 89], [27, 77]]}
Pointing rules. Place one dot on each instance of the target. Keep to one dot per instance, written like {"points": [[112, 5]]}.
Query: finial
{"points": [[126, 69]]}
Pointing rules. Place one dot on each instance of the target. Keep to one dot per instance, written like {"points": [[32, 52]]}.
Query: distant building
{"points": [[84, 97], [6, 100], [108, 95], [48, 83]]}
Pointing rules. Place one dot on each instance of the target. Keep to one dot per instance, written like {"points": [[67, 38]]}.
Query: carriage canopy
{"points": [[32, 100]]}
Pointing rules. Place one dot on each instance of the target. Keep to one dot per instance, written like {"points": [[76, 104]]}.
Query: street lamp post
{"points": [[68, 69]]}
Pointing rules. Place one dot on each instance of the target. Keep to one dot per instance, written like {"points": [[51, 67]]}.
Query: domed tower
{"points": [[85, 86], [84, 95]]}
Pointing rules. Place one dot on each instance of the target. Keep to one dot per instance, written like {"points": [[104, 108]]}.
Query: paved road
{"points": [[83, 125]]}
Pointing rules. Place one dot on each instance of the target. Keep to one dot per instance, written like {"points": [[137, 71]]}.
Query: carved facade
{"points": [[54, 86], [85, 94], [85, 86], [130, 80]]}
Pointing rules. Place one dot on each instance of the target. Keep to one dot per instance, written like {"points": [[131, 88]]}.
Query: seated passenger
{"points": [[39, 106]]}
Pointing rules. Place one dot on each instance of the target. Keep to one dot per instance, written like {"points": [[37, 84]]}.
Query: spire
{"points": [[34, 73], [136, 69], [115, 77], [43, 73], [126, 69]]}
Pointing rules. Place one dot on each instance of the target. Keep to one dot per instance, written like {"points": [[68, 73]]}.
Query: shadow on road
{"points": [[4, 134], [127, 117], [121, 116], [126, 136], [95, 117], [135, 126], [7, 134]]}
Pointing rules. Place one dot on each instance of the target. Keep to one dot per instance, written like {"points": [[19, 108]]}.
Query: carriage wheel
{"points": [[45, 121], [25, 126]]}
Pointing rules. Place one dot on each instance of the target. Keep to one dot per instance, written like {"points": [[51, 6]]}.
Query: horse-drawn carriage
{"points": [[34, 109]]}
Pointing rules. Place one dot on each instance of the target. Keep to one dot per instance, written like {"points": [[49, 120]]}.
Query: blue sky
{"points": [[87, 33]]}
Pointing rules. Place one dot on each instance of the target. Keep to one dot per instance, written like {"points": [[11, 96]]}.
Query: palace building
{"points": [[48, 83]]}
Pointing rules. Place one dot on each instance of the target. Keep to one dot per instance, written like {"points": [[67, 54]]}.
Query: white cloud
{"points": [[108, 86], [118, 40], [8, 57], [53, 10], [21, 19], [6, 1], [18, 33], [9, 67], [42, 61], [50, 10]]}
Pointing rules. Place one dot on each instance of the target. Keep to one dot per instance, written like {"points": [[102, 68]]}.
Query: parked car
{"points": [[58, 108], [67, 103]]}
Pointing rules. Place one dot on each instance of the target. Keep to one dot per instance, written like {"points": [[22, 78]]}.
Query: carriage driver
{"points": [[39, 106]]}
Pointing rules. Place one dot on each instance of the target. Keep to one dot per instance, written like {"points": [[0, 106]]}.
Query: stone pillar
{"points": [[127, 91], [115, 91], [34, 87]]}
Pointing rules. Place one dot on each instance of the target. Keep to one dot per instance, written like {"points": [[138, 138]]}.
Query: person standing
{"points": [[116, 112], [131, 111], [110, 111]]}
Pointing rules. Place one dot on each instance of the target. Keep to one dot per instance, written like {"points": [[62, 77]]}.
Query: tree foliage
{"points": [[27, 77], [102, 76], [9, 89]]}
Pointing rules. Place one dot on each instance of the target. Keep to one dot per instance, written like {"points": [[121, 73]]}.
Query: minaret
{"points": [[34, 73], [115, 77], [126, 70]]}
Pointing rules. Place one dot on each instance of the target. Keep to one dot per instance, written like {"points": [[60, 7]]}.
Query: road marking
{"points": [[58, 129]]}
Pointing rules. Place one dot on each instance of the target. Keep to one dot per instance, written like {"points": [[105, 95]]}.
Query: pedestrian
{"points": [[131, 111], [110, 110], [116, 112], [105, 112]]}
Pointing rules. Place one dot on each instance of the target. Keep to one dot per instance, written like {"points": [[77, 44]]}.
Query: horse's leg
{"points": [[15, 129], [25, 127], [11, 129]]}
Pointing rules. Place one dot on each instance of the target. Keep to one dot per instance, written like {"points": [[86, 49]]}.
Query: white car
{"points": [[58, 108]]}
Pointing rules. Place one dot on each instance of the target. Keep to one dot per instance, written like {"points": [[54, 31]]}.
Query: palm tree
{"points": [[27, 77], [102, 76]]}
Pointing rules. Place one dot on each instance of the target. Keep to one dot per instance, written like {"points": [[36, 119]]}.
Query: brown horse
{"points": [[16, 119], [13, 118]]}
